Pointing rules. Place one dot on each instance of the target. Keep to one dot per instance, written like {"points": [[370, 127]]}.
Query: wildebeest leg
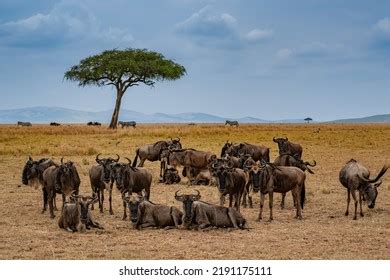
{"points": [[221, 199], [101, 206], [141, 163], [360, 202], [51, 198], [110, 199], [348, 200], [244, 196], [124, 211], [93, 191], [271, 203], [232, 219], [261, 206], [44, 200], [282, 202], [63, 199], [55, 203], [356, 202], [297, 202]]}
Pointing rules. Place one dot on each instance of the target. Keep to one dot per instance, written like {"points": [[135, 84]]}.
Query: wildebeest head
{"points": [[117, 174], [188, 200], [226, 149], [255, 175], [369, 188], [30, 170], [174, 144], [106, 163], [282, 144], [83, 203], [133, 203], [221, 172], [64, 175], [303, 165]]}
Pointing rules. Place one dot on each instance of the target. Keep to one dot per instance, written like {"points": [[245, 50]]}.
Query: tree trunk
{"points": [[115, 115]]}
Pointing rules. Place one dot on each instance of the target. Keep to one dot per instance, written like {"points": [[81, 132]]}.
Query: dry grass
{"points": [[324, 233]]}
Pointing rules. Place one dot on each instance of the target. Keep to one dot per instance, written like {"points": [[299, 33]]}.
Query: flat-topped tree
{"points": [[308, 120], [123, 69]]}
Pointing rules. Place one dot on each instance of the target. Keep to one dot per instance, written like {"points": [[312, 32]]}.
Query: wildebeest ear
{"points": [[30, 158]]}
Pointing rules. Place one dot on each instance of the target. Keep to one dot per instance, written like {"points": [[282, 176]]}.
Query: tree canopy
{"points": [[123, 69]]}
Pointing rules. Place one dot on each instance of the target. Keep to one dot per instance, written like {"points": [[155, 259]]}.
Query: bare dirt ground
{"points": [[324, 232]]}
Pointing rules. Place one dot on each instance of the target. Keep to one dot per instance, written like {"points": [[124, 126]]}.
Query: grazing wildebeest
{"points": [[280, 179], [201, 215], [146, 214], [54, 124], [94, 123], [356, 177], [63, 179], [75, 215], [171, 176], [127, 124], [287, 147], [230, 181], [24, 123], [152, 152], [231, 123], [131, 179], [197, 176], [293, 160], [257, 152], [100, 178]]}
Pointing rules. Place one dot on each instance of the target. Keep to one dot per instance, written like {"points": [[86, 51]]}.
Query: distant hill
{"points": [[370, 119]]}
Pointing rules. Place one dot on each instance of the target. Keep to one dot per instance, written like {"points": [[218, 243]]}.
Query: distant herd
{"points": [[242, 169]]}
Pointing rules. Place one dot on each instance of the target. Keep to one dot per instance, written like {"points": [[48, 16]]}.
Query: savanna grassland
{"points": [[324, 232]]}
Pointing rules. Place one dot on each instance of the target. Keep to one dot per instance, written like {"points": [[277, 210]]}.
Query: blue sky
{"points": [[268, 59]]}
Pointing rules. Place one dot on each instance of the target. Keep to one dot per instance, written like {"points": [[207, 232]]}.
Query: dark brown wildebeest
{"points": [[131, 179], [231, 123], [75, 215], [287, 147], [356, 177], [237, 150], [146, 214], [24, 123], [94, 124], [63, 179], [280, 179], [100, 178], [197, 176], [127, 124], [249, 166], [289, 160], [190, 158], [201, 215], [230, 181], [54, 124]]}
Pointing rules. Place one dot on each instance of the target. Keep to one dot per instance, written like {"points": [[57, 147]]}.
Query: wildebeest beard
{"points": [[67, 175]]}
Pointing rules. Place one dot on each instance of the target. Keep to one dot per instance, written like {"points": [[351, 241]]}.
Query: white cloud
{"points": [[283, 54], [383, 25], [256, 35]]}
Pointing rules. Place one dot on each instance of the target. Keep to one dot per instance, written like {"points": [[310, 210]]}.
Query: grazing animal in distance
{"points": [[231, 123], [146, 214], [287, 147], [127, 124], [94, 124], [202, 215], [24, 124], [54, 124], [356, 177]]}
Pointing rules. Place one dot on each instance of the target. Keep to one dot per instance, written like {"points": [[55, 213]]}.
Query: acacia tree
{"points": [[308, 120], [123, 69]]}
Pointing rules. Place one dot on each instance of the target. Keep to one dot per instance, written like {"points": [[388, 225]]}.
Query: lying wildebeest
{"points": [[197, 176], [144, 214], [356, 177], [231, 123], [54, 124], [75, 215], [152, 152], [230, 181], [63, 179], [171, 176], [100, 178], [257, 152], [287, 147], [94, 123], [280, 179], [127, 124], [131, 179], [24, 123], [201, 215], [32, 174], [289, 160]]}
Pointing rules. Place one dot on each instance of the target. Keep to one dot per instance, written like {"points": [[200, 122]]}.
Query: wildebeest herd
{"points": [[241, 170]]}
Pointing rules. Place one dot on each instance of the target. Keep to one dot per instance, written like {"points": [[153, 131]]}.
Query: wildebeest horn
{"points": [[263, 163], [274, 139], [118, 157], [30, 158], [178, 139], [62, 159], [213, 165], [311, 164], [129, 160], [230, 164], [97, 158], [178, 197], [93, 199], [286, 139], [381, 173], [197, 196]]}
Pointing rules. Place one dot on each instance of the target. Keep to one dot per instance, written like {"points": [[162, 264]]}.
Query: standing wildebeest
{"points": [[94, 123], [199, 214], [127, 124], [144, 214], [293, 160], [24, 123], [54, 124], [100, 177], [230, 181], [62, 179], [190, 158], [280, 179], [231, 123], [131, 179], [287, 147], [75, 215], [356, 177], [237, 150]]}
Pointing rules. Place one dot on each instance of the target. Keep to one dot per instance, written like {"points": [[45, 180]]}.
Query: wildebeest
{"points": [[201, 215], [100, 178], [197, 176], [62, 179], [280, 179], [127, 124], [356, 177], [230, 181], [146, 214], [190, 158], [24, 123], [75, 215], [257, 152], [94, 123], [287, 147], [152, 152], [54, 124], [171, 176], [131, 179], [293, 160], [231, 123]]}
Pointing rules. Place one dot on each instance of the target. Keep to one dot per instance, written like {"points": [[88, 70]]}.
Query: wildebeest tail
{"points": [[136, 158], [303, 195]]}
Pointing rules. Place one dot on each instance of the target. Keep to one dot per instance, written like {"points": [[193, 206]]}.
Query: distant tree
{"points": [[308, 120], [123, 69]]}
